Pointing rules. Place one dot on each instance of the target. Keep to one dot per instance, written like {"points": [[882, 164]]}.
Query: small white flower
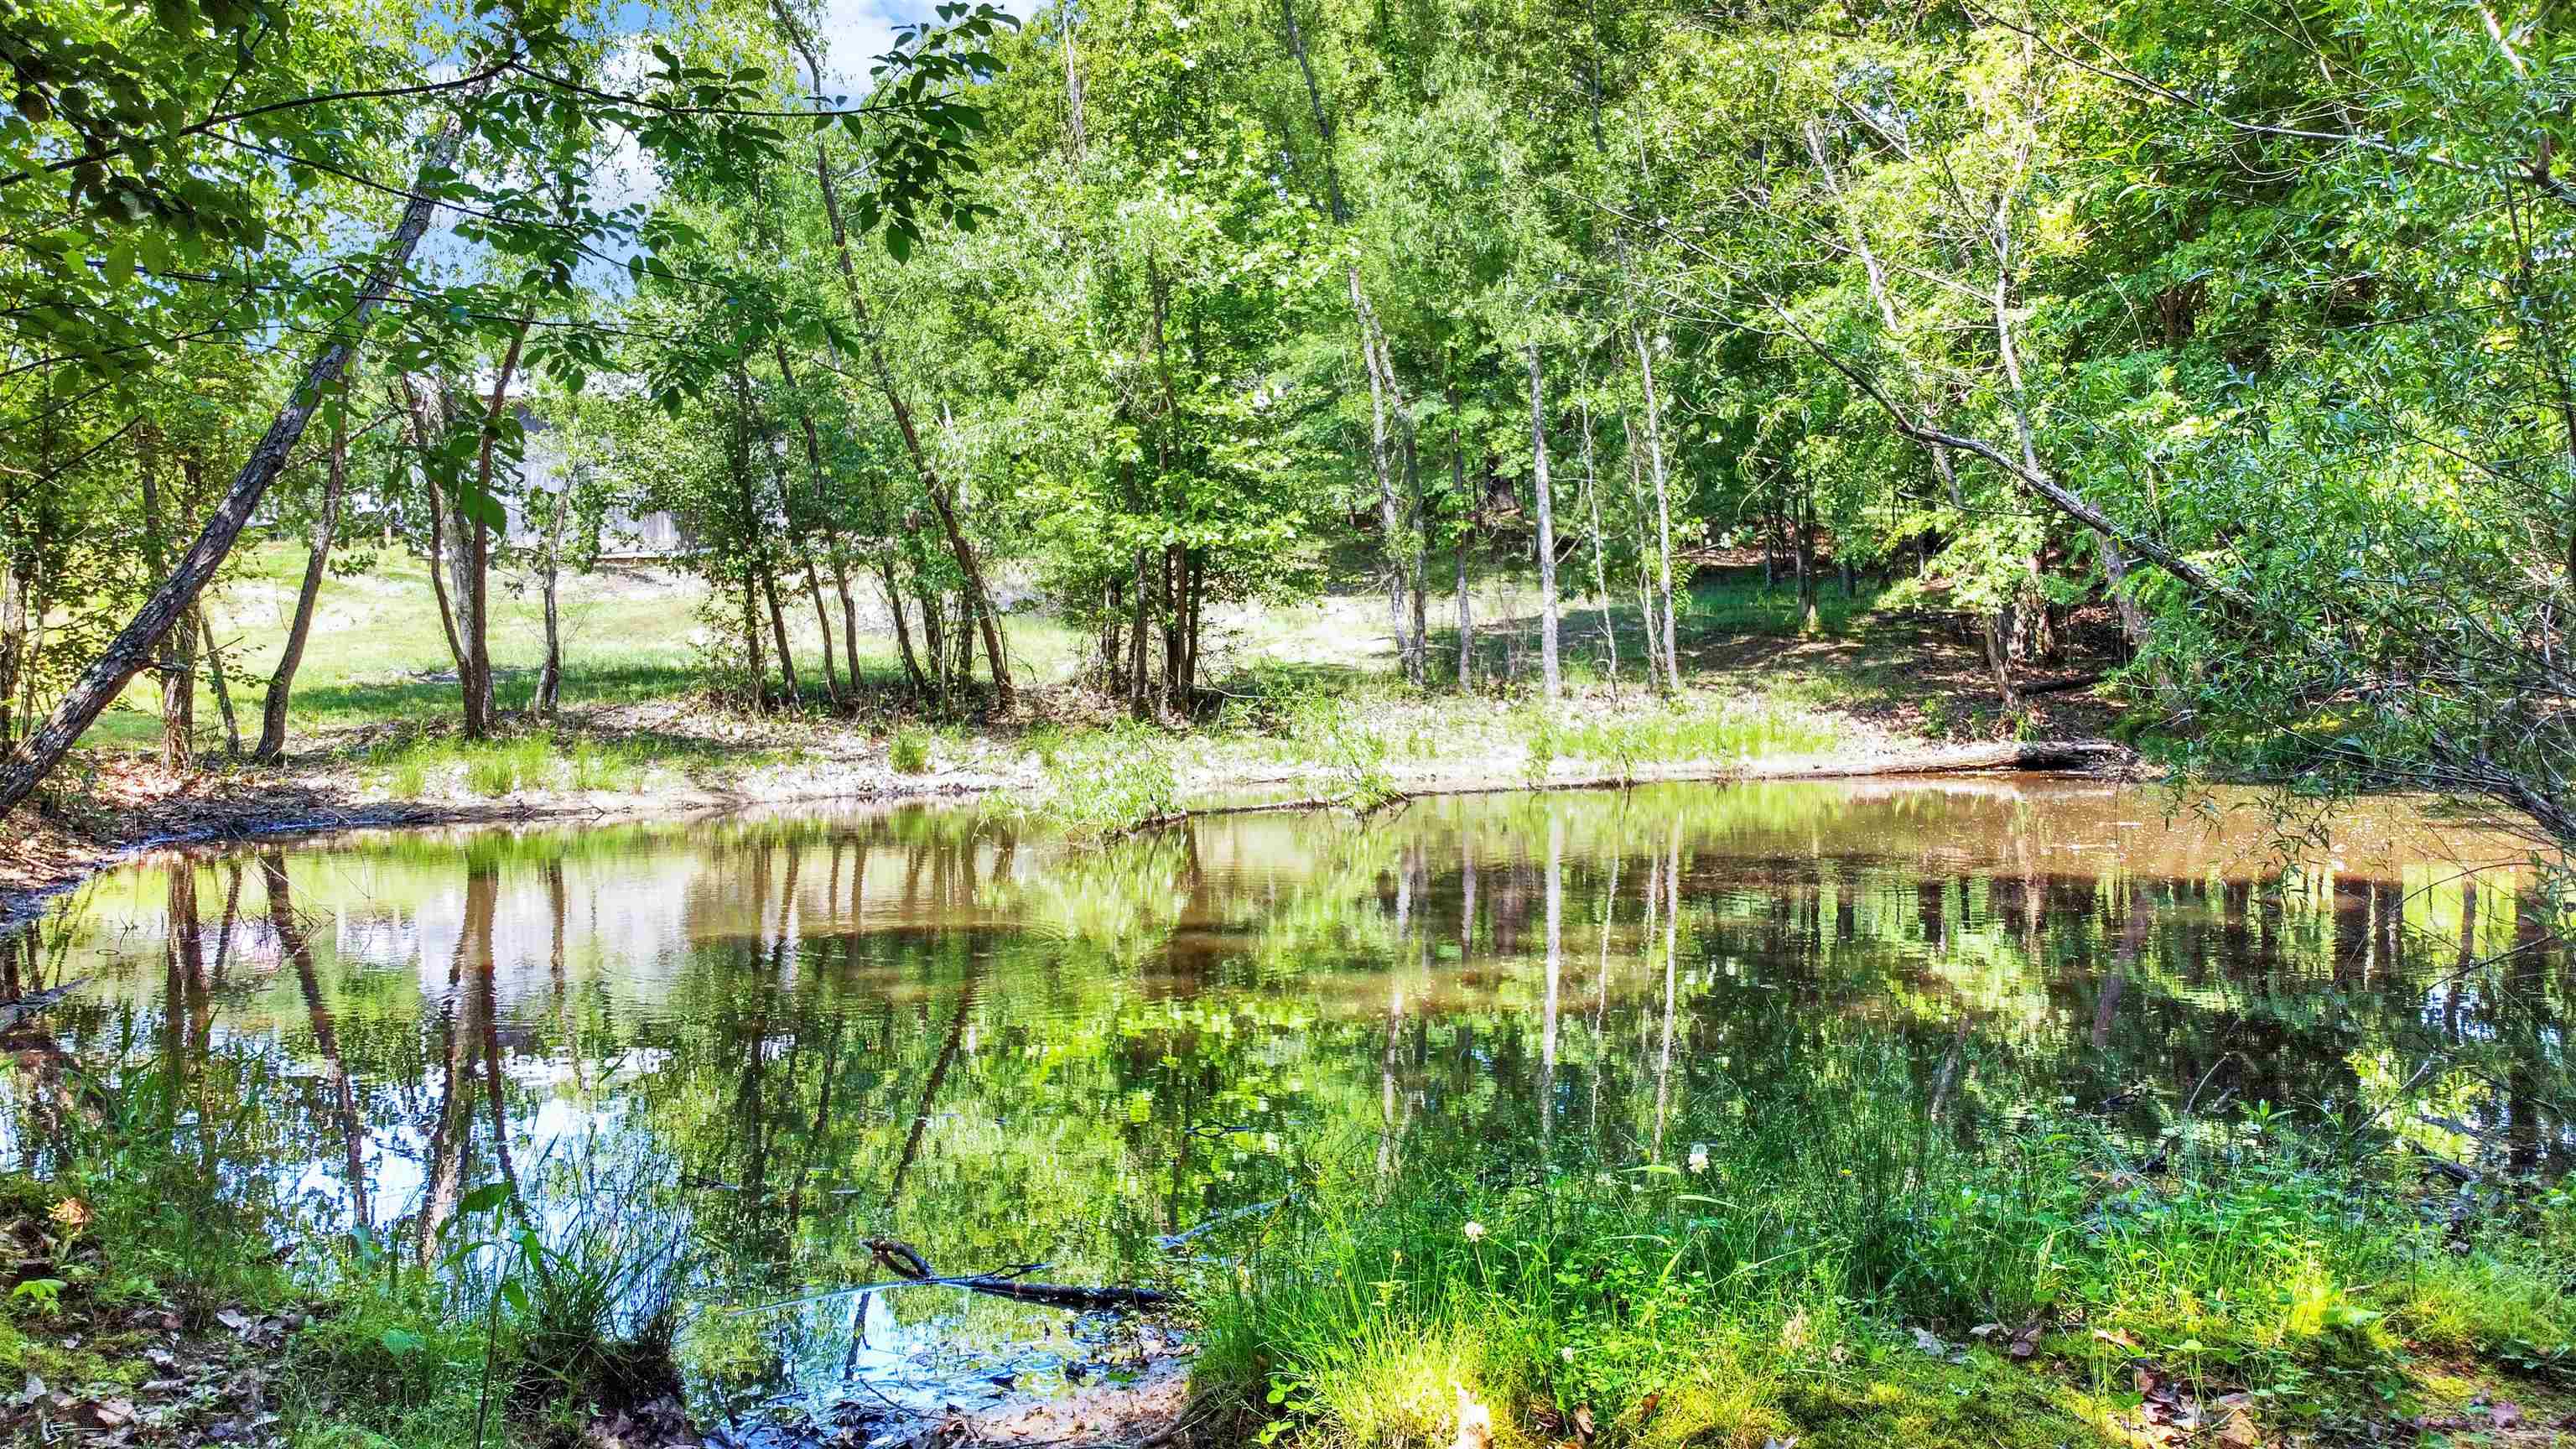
{"points": [[1566, 1354], [1699, 1159], [1475, 1232]]}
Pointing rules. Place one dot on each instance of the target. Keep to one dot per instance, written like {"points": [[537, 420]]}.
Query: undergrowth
{"points": [[1836, 1269]]}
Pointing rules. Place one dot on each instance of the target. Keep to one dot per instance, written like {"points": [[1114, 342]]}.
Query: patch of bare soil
{"points": [[1127, 1388]]}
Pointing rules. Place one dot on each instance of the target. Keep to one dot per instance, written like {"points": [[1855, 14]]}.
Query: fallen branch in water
{"points": [[900, 1258]]}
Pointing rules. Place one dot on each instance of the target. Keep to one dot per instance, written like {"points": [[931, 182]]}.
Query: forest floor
{"points": [[1306, 706]]}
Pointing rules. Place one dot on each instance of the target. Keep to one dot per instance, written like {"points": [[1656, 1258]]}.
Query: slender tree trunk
{"points": [[1656, 672], [849, 614], [823, 627], [222, 686], [474, 592], [178, 675], [1810, 607], [1550, 680], [317, 560], [1390, 517], [1600, 566], [902, 632], [778, 631], [13, 642], [549, 579], [1663, 506], [751, 637], [931, 482], [1139, 692]]}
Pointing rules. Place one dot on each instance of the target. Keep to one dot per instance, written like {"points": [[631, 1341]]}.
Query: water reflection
{"points": [[770, 1042]]}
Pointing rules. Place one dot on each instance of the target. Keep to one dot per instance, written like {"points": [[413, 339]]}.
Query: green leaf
{"points": [[402, 1342]]}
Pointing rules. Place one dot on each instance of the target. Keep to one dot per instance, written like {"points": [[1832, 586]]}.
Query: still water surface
{"points": [[763, 1042]]}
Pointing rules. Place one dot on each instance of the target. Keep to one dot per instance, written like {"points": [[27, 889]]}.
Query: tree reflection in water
{"points": [[783, 1038]]}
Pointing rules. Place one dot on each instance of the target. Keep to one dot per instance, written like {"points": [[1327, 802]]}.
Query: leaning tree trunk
{"points": [[317, 559], [127, 653]]}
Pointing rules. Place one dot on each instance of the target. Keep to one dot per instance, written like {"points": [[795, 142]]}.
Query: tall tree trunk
{"points": [[1550, 680], [1004, 698], [13, 642], [902, 633], [222, 686], [849, 614], [1390, 517], [1657, 668], [425, 433], [1663, 505], [1600, 566], [1373, 360], [474, 591], [549, 582], [823, 627], [1466, 533], [178, 675], [778, 631], [317, 560], [751, 638], [1139, 692]]}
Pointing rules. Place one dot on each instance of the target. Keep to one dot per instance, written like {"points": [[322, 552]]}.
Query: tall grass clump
{"points": [[1106, 783], [505, 1325], [1828, 1261], [909, 751], [1729, 733]]}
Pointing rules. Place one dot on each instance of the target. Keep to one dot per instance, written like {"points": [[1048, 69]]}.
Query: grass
{"points": [[1829, 1266], [909, 753], [1101, 783], [503, 1331], [377, 653]]}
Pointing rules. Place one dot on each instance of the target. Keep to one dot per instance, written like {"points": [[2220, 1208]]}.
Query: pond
{"points": [[756, 1045]]}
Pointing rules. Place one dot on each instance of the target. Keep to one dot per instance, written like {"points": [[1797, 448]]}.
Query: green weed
{"points": [[1828, 1264], [1107, 783], [909, 752]]}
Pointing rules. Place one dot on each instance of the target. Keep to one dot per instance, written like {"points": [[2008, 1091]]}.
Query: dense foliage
{"points": [[2243, 329]]}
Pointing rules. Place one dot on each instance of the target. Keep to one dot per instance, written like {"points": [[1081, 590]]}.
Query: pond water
{"points": [[760, 1043]]}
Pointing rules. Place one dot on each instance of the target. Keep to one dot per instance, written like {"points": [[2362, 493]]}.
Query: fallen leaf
{"points": [[1930, 1342], [2506, 1413], [1985, 1330]]}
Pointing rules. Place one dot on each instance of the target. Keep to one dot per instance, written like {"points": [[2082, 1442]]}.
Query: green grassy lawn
{"points": [[377, 654]]}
